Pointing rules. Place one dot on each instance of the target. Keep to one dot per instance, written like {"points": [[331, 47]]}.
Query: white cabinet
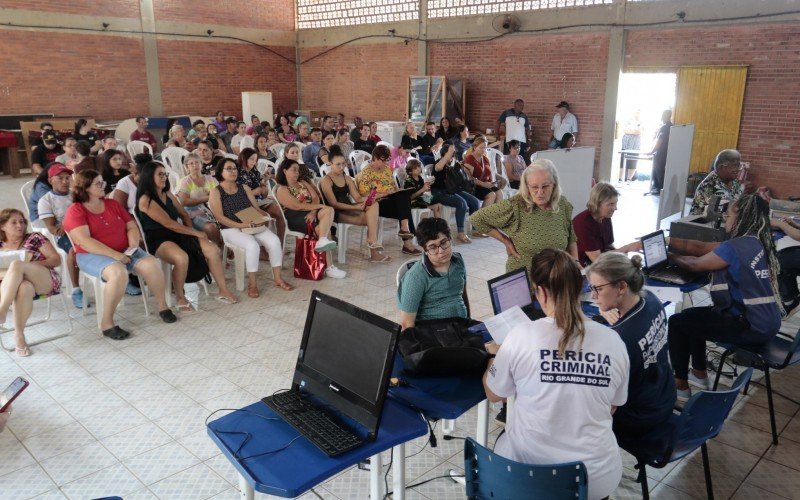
{"points": [[259, 104]]}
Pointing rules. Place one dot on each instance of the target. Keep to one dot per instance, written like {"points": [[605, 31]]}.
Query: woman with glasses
{"points": [[250, 176], [537, 217], [193, 193], [168, 231], [393, 203], [433, 288], [70, 158], [106, 242], [569, 376], [639, 318], [593, 226], [230, 198]]}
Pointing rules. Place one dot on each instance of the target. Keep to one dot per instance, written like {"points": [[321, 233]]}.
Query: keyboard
{"points": [[674, 275], [316, 424]]}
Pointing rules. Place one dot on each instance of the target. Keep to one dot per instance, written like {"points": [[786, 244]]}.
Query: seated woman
{"points": [[420, 186], [25, 280], [567, 141], [328, 140], [344, 143], [177, 137], [478, 165], [342, 195], [159, 211], [392, 202], [446, 130], [399, 158], [193, 193], [252, 178], [285, 131], [213, 136], [226, 201], [410, 140], [514, 164], [593, 226], [106, 242], [434, 287], [558, 418], [744, 289], [464, 203], [639, 318], [292, 152], [112, 167], [461, 142]]}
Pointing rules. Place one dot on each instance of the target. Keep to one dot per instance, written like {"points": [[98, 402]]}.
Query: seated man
{"points": [[433, 288], [142, 134], [722, 182], [39, 141], [43, 155], [311, 151]]}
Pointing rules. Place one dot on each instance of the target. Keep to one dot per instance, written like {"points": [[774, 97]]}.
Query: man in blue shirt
{"points": [[311, 150]]}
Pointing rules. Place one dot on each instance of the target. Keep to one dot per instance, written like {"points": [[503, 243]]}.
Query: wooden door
{"points": [[711, 98]]}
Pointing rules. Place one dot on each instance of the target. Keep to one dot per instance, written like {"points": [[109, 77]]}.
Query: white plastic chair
{"points": [[231, 156], [358, 158], [25, 191], [324, 170], [65, 279], [384, 143], [173, 159], [288, 232], [136, 147], [174, 180], [277, 149]]}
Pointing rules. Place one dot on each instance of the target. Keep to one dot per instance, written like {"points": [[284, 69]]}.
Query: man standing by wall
{"points": [[516, 126], [659, 153], [563, 122]]}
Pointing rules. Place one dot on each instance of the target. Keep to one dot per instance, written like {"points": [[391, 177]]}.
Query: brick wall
{"points": [[769, 126], [272, 14], [215, 81], [366, 80], [117, 8], [99, 76]]}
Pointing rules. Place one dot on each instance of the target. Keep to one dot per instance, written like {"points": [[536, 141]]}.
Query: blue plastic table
{"points": [[301, 466]]}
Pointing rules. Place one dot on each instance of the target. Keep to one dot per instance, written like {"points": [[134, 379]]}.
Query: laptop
{"points": [[341, 377], [656, 263], [513, 289]]}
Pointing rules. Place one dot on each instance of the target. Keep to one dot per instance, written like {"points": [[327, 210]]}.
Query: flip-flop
{"points": [[284, 286], [227, 300], [23, 352], [386, 258], [186, 309]]}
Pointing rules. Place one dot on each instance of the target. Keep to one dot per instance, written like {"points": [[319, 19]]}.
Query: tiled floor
{"points": [[127, 418]]}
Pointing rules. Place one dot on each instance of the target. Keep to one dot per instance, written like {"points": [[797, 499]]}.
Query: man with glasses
{"points": [[516, 126], [722, 181], [433, 288]]}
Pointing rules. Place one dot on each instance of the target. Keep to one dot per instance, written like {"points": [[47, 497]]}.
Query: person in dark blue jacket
{"points": [[746, 306]]}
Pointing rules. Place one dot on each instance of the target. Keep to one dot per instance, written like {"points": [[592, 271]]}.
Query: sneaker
{"points": [[335, 272], [77, 298], [792, 307], [132, 290], [324, 244], [684, 395], [702, 383]]}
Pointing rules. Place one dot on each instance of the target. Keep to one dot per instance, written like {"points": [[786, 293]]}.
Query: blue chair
{"points": [[777, 354], [701, 419], [489, 475]]}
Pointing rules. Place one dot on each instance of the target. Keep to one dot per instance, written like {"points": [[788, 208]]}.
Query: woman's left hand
{"points": [[311, 217]]}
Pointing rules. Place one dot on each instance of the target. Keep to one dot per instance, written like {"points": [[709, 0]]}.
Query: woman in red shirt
{"points": [[106, 242], [476, 162]]}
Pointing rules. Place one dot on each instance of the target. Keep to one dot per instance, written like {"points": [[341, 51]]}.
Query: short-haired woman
{"points": [[593, 226], [514, 164], [562, 413], [25, 280], [106, 241], [159, 213], [639, 318], [226, 201], [193, 193], [535, 218]]}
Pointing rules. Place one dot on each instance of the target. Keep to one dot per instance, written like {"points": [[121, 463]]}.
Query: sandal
{"points": [[167, 316], [116, 333], [186, 308], [375, 246], [23, 352], [252, 292], [464, 239], [381, 258], [405, 235], [284, 286], [227, 300]]}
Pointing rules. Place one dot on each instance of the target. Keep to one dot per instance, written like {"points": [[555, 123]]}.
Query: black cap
{"points": [[563, 104], [49, 137]]}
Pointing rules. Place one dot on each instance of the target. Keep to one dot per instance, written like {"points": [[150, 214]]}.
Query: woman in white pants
{"points": [[226, 201]]}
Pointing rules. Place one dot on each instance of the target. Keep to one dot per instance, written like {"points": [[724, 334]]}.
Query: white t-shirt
{"points": [[54, 205], [561, 127], [127, 186], [563, 404], [236, 140]]}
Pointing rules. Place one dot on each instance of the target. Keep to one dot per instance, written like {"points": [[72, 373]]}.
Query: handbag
{"points": [[457, 179], [443, 347], [198, 267], [308, 263]]}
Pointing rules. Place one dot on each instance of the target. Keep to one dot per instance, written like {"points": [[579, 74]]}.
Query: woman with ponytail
{"points": [[639, 318], [568, 374], [744, 289]]}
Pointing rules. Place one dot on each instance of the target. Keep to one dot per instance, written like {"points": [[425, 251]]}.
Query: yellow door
{"points": [[711, 98]]}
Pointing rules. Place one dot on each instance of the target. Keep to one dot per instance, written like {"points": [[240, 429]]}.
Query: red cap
{"points": [[57, 168]]}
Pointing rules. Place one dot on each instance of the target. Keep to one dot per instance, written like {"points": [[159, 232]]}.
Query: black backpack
{"points": [[458, 179], [443, 347]]}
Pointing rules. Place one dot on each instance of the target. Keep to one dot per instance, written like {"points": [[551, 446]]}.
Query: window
{"points": [[449, 8], [328, 13]]}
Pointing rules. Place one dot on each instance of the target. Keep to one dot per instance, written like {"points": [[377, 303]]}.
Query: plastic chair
{"points": [[358, 158], [136, 147], [247, 142], [295, 234], [488, 475], [342, 233], [65, 279], [405, 266], [277, 149], [701, 419], [231, 156], [778, 353], [26, 191], [174, 180], [384, 143], [324, 170], [173, 159], [166, 268]]}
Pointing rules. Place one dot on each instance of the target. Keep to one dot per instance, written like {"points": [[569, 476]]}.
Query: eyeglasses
{"points": [[596, 289], [543, 188], [444, 245], [230, 169], [162, 175], [100, 184]]}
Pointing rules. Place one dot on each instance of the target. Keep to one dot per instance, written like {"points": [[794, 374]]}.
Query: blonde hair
{"points": [[540, 166], [477, 142], [601, 193], [615, 267]]}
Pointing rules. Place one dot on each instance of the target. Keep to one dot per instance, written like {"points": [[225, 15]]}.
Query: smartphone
{"points": [[13, 390], [371, 197], [130, 251]]}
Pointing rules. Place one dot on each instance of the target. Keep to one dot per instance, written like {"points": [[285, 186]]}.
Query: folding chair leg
{"points": [[771, 406], [707, 471], [719, 368], [642, 479]]}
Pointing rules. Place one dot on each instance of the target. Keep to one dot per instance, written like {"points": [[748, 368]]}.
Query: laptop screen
{"points": [[346, 357], [655, 249], [509, 290]]}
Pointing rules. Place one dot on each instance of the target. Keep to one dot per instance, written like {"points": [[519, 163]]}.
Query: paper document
{"points": [[501, 324], [9, 256]]}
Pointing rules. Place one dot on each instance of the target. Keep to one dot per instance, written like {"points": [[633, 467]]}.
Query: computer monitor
{"points": [[509, 290], [346, 357], [655, 250]]}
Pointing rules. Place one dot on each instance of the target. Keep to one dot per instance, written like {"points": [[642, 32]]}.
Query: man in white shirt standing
{"points": [[517, 127], [563, 122]]}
